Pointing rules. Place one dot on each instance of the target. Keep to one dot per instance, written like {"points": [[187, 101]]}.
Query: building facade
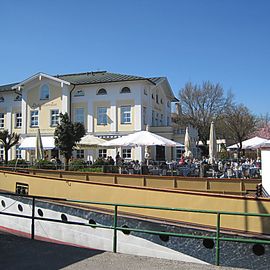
{"points": [[109, 105]]}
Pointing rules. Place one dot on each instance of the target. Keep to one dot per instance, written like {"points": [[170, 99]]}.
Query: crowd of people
{"points": [[234, 168]]}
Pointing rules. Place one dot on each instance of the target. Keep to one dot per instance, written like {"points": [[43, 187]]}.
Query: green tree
{"points": [[66, 135], [8, 140]]}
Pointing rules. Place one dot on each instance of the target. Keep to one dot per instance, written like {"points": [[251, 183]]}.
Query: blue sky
{"points": [[221, 41]]}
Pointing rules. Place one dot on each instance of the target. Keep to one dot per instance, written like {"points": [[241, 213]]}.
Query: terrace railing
{"points": [[216, 237]]}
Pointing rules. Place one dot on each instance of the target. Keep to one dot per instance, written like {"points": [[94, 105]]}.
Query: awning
{"points": [[29, 143]]}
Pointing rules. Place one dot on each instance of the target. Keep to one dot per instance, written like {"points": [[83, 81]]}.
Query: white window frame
{"points": [[102, 153], [125, 115], [34, 118], [125, 90], [168, 120], [2, 120], [18, 152], [1, 152], [101, 92], [80, 153], [79, 115], [18, 120], [144, 115], [126, 153], [102, 116], [44, 95], [54, 117], [156, 119]]}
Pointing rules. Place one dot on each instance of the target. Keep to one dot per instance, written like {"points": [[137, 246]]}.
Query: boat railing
{"points": [[217, 237]]}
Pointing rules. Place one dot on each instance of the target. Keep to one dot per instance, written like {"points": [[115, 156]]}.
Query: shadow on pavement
{"points": [[22, 253]]}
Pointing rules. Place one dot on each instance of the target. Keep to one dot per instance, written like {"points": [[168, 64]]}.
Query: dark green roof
{"points": [[102, 77], [94, 78], [7, 87]]}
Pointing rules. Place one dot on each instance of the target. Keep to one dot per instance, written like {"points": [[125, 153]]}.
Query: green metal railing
{"points": [[217, 238]]}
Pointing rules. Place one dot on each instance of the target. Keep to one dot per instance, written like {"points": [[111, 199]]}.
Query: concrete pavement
{"points": [[22, 253]]}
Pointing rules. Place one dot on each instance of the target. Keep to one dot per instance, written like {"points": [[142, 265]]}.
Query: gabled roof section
{"points": [[164, 81], [7, 87], [100, 77], [39, 76]]}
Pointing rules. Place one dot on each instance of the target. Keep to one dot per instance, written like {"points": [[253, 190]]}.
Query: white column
{"points": [[24, 112], [90, 117], [265, 155], [113, 116], [138, 117], [65, 99], [9, 127]]}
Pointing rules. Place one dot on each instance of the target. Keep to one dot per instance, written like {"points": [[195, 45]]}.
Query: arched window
{"points": [[125, 90], [44, 92], [102, 91]]}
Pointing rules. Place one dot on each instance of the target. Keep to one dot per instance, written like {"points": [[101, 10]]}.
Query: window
{"points": [[18, 152], [102, 118], [157, 119], [102, 153], [79, 115], [102, 91], [22, 189], [153, 96], [18, 120], [161, 119], [168, 104], [179, 152], [1, 152], [126, 153], [18, 98], [161, 101], [125, 90], [54, 118], [80, 153], [79, 93], [2, 99], [2, 120], [181, 131], [168, 121], [145, 91], [157, 98], [144, 116], [44, 92], [34, 118], [153, 118], [125, 114]]}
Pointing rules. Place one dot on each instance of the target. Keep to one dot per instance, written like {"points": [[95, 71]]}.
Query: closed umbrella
{"points": [[212, 145], [39, 154], [187, 142]]}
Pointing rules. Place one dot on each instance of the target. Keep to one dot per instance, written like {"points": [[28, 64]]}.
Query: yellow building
{"points": [[109, 105]]}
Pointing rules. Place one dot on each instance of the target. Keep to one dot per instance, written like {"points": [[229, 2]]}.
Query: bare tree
{"points": [[200, 105], [240, 123], [8, 140]]}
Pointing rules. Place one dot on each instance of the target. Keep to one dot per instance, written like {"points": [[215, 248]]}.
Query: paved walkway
{"points": [[22, 253]]}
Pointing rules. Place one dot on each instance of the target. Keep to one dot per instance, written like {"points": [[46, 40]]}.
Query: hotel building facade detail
{"points": [[109, 105]]}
